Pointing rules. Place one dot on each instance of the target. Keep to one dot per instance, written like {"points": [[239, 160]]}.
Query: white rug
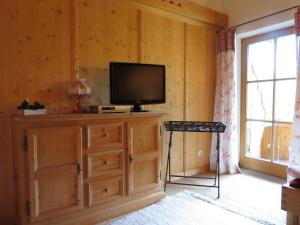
{"points": [[187, 208]]}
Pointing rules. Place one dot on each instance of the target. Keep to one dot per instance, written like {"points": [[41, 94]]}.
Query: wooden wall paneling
{"points": [[200, 65], [74, 39], [36, 56], [45, 44], [107, 31], [35, 63], [162, 42]]}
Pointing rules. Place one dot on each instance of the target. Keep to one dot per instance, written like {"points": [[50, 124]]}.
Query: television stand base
{"points": [[138, 108], [139, 111]]}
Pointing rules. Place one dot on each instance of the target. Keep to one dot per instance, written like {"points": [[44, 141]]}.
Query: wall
{"points": [[139, 35], [35, 53], [239, 13], [46, 44], [35, 62], [167, 48], [200, 62]]}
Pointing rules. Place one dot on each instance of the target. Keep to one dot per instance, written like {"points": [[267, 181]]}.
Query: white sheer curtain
{"points": [[225, 105], [295, 145]]}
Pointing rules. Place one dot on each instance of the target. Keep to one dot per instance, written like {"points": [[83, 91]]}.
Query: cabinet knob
{"points": [[106, 190], [130, 159], [106, 135], [106, 162]]}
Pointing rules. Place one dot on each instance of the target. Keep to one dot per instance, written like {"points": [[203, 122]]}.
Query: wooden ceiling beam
{"points": [[190, 10]]}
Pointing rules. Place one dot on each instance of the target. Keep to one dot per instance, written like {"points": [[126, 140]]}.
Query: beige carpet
{"points": [[184, 208], [249, 190]]}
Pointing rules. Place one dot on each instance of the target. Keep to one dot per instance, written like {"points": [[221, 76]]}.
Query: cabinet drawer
{"points": [[101, 136], [103, 190], [105, 163]]}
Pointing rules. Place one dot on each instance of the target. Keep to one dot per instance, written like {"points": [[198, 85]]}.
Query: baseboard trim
{"points": [[106, 213], [191, 172]]}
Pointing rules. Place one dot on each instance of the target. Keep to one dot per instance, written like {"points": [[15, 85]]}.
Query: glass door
{"points": [[268, 96]]}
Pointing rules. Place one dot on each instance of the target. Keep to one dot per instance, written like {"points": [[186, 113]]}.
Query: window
{"points": [[268, 86]]}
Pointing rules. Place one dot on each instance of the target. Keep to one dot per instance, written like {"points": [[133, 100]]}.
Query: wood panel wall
{"points": [[114, 31], [35, 46], [46, 44], [200, 62], [162, 42], [107, 31], [35, 62]]}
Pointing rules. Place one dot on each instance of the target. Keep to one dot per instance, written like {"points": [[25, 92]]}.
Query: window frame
{"points": [[262, 165]]}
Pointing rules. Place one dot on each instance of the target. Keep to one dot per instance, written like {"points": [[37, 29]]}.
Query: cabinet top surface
{"points": [[84, 116]]}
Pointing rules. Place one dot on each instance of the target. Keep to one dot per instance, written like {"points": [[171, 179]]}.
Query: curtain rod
{"points": [[272, 14]]}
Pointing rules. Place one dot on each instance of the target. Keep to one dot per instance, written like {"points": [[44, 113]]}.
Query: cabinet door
{"points": [[144, 155], [55, 178]]}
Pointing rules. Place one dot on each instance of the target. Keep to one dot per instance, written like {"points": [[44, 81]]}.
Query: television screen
{"points": [[136, 84]]}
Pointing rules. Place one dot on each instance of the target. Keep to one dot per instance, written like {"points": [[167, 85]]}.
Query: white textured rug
{"points": [[187, 208]]}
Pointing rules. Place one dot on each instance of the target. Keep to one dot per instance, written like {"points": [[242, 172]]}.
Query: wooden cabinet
{"points": [[105, 153], [144, 150], [73, 168], [290, 203], [54, 169]]}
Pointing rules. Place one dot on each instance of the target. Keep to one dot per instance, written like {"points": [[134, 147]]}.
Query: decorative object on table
{"points": [[195, 126], [78, 90], [191, 208], [32, 109]]}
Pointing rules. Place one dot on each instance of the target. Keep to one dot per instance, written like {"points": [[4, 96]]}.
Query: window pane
{"points": [[260, 100], [285, 100], [282, 143], [258, 140], [261, 60], [286, 57]]}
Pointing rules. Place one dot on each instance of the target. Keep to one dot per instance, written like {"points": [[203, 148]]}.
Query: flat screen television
{"points": [[137, 84]]}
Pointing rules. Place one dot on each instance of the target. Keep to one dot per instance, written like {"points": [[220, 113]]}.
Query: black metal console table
{"points": [[194, 126]]}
